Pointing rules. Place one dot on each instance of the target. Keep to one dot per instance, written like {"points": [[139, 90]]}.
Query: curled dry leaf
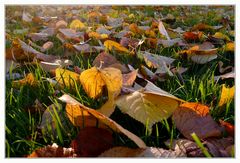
{"points": [[195, 117], [221, 69], [50, 66], [66, 77], [202, 53], [140, 152], [227, 95], [92, 141], [149, 105], [53, 151], [225, 76], [162, 30], [105, 120], [28, 50]]}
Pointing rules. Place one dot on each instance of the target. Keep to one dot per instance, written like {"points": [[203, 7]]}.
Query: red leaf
{"points": [[92, 141]]}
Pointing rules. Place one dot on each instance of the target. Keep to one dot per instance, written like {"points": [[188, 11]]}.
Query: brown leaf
{"points": [[140, 152], [128, 79], [104, 59], [38, 36], [194, 117], [92, 141], [192, 36], [61, 24], [48, 45], [85, 48], [162, 30], [52, 151], [218, 147], [225, 76], [185, 146]]}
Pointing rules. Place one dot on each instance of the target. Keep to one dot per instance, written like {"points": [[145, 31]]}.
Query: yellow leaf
{"points": [[149, 105], [92, 82], [77, 24], [103, 120], [66, 77], [94, 35], [230, 47], [29, 79], [109, 44], [226, 95], [222, 36]]}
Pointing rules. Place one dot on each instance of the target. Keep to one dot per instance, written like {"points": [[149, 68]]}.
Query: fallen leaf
{"points": [[105, 120], [70, 33], [66, 77], [105, 60], [192, 36], [227, 94], [48, 45], [27, 17], [76, 24], [222, 36], [149, 105], [110, 45], [53, 116], [52, 66], [135, 29], [84, 48], [218, 147], [162, 30], [93, 80], [140, 152], [128, 79], [229, 47], [185, 146], [202, 53], [221, 69], [225, 76], [52, 151], [155, 61], [61, 24], [228, 127], [28, 80], [194, 117], [92, 141], [38, 36]]}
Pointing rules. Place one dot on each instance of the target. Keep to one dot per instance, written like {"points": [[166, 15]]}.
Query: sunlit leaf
{"points": [[110, 45], [76, 24], [66, 77], [227, 94]]}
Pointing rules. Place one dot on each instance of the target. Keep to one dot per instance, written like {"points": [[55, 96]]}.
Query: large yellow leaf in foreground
{"points": [[226, 95], [149, 105], [66, 77], [102, 119]]}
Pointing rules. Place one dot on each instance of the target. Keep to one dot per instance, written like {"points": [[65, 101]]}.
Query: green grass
{"points": [[197, 84]]}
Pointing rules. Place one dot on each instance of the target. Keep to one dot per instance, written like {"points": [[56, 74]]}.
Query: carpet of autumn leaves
{"points": [[119, 81]]}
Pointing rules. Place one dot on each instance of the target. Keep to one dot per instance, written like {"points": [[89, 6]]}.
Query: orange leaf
{"points": [[228, 127]]}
